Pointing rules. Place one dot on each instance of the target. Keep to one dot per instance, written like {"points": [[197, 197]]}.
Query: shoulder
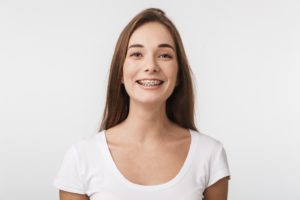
{"points": [[210, 159], [207, 148], [89, 145], [206, 141], [82, 160]]}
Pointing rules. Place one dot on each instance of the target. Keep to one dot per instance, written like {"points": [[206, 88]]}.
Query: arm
{"points": [[217, 191], [63, 195]]}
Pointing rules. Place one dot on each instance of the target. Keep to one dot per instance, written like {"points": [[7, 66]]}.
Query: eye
{"points": [[136, 54], [166, 56]]}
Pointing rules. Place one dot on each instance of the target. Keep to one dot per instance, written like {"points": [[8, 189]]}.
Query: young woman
{"points": [[148, 146]]}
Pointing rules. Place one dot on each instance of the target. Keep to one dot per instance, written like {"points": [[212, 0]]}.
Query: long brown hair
{"points": [[179, 106]]}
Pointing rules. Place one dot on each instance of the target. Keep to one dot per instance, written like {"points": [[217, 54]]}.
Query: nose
{"points": [[151, 65]]}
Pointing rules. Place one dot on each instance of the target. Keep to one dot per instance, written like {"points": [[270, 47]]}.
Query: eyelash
{"points": [[168, 55], [135, 54], [138, 53]]}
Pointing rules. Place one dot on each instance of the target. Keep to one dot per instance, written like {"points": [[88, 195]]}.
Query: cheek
{"points": [[129, 69], [172, 71]]}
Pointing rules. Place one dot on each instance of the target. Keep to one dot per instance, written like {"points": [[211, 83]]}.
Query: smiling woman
{"points": [[148, 146], [180, 105], [150, 64]]}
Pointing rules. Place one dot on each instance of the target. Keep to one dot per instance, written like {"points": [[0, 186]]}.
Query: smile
{"points": [[149, 85], [150, 82]]}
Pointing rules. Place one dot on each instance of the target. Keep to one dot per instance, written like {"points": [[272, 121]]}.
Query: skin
{"points": [[63, 195], [147, 121], [149, 133], [217, 191]]}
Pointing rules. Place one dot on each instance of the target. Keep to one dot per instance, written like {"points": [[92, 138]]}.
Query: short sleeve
{"points": [[69, 176], [219, 166]]}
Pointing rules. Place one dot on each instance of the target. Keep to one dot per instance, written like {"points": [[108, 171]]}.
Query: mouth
{"points": [[150, 82]]}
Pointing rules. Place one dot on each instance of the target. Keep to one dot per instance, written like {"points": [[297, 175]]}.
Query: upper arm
{"points": [[63, 195], [217, 191]]}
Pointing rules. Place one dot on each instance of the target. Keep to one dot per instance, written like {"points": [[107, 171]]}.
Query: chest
{"points": [[150, 166]]}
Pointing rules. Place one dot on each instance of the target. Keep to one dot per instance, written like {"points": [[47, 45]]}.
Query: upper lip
{"points": [[150, 79]]}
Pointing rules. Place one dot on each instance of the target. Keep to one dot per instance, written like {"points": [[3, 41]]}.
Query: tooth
{"points": [[150, 82]]}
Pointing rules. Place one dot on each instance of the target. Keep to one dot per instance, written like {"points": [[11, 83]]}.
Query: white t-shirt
{"points": [[88, 168]]}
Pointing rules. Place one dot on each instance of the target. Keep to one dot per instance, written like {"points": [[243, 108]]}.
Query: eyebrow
{"points": [[163, 45]]}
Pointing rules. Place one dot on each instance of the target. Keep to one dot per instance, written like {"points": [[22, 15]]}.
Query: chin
{"points": [[149, 101]]}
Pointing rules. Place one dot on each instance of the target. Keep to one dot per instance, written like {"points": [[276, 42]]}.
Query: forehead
{"points": [[151, 33]]}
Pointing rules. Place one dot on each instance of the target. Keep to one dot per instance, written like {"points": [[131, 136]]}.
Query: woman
{"points": [[148, 146]]}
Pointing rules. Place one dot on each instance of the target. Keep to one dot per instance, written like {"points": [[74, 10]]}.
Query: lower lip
{"points": [[149, 87]]}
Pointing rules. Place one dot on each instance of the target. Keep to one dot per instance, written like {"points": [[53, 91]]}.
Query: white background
{"points": [[55, 56]]}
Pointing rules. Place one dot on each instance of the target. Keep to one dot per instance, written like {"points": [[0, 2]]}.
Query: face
{"points": [[150, 68]]}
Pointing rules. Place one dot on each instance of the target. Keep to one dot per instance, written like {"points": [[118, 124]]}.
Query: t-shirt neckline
{"points": [[174, 180]]}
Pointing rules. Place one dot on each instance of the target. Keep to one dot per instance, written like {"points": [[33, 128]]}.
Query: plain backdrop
{"points": [[54, 62]]}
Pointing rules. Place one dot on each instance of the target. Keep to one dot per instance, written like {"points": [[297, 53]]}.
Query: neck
{"points": [[146, 123]]}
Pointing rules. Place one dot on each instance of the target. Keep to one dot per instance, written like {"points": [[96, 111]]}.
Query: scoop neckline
{"points": [[184, 168]]}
